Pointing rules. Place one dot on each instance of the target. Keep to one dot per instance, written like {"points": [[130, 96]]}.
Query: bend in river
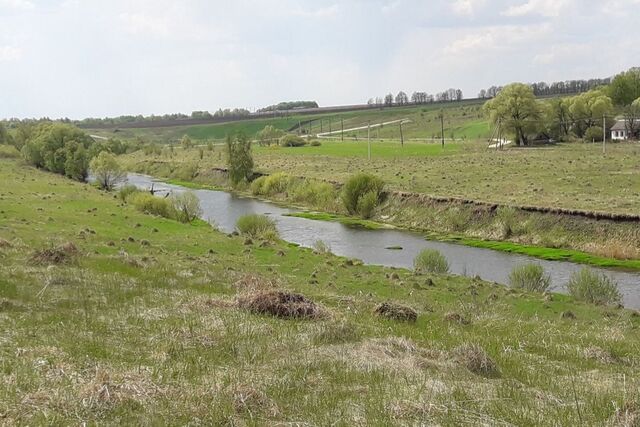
{"points": [[223, 209]]}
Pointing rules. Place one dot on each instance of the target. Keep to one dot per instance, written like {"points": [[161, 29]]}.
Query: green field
{"points": [[462, 120], [141, 327]]}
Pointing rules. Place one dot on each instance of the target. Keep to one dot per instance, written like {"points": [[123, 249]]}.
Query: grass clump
{"points": [[431, 261], [186, 206], [126, 191], [396, 312], [55, 255], [320, 247], [281, 304], [475, 359], [257, 227], [361, 194], [592, 287], [9, 152], [530, 277]]}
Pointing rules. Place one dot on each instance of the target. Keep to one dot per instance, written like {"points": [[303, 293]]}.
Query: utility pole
{"points": [[604, 134], [442, 126], [299, 127], [401, 135], [369, 140], [321, 121], [342, 130]]}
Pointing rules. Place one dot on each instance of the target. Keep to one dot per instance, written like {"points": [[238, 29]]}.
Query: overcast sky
{"points": [[94, 58]]}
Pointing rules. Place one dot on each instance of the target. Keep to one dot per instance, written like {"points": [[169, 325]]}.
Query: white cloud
{"points": [[548, 8], [323, 12], [466, 7], [10, 53], [17, 4], [496, 38]]}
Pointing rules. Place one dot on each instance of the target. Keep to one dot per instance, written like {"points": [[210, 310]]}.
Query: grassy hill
{"points": [[462, 120], [109, 316]]}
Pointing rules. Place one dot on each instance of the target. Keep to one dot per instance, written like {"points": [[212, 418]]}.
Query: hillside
{"points": [[110, 316], [462, 120]]}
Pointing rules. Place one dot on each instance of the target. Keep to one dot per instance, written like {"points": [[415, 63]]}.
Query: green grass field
{"points": [[141, 327], [462, 120]]}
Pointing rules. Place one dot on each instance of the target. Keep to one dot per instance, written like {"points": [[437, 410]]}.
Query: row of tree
{"points": [[290, 105], [59, 147], [516, 113], [556, 88], [417, 98]]}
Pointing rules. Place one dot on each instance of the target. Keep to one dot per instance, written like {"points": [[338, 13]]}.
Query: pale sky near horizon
{"points": [[77, 59]]}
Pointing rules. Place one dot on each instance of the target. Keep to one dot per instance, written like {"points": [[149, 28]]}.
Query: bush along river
{"points": [[373, 246]]}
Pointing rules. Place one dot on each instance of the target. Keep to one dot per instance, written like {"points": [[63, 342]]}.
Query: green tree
{"points": [[632, 118], [186, 206], [107, 171], [239, 159], [625, 87], [50, 144], [588, 110], [269, 135], [76, 165], [5, 137], [516, 110], [557, 118]]}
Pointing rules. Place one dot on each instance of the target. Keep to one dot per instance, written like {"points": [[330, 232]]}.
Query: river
{"points": [[223, 209]]}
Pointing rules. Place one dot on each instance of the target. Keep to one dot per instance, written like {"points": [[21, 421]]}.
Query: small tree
{"points": [[239, 159], [269, 134], [186, 142], [107, 171], [515, 109], [186, 206]]}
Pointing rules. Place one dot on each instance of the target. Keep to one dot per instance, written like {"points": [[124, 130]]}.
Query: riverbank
{"points": [[546, 235], [158, 335]]}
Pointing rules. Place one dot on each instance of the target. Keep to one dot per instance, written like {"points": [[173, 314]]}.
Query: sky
{"points": [[90, 58]]}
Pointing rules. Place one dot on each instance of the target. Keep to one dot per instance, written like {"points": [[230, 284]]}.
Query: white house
{"points": [[619, 131]]}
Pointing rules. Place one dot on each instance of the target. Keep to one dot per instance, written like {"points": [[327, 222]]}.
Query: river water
{"points": [[223, 209]]}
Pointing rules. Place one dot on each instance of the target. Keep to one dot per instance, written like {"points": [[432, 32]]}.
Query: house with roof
{"points": [[619, 131]]}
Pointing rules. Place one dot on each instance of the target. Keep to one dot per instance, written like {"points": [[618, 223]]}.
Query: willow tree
{"points": [[515, 111]]}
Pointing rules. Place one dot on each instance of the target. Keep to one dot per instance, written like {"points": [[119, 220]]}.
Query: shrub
{"points": [[361, 194], [592, 287], [594, 133], [186, 206], [320, 195], [292, 141], [430, 261], [530, 277], [457, 218], [315, 143], [149, 204], [508, 220], [8, 152], [270, 185], [107, 171], [257, 227], [127, 191]]}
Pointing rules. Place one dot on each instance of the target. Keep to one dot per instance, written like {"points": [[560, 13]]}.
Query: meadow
{"points": [[463, 120], [140, 320]]}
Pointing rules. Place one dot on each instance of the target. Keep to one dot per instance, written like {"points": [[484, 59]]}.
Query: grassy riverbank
{"points": [[546, 235], [137, 323]]}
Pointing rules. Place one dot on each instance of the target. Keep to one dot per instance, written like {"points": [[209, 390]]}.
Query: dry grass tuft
{"points": [[248, 400], [107, 388], [396, 312], [475, 359], [627, 416], [456, 318], [281, 304], [5, 243], [600, 355], [62, 254], [254, 283]]}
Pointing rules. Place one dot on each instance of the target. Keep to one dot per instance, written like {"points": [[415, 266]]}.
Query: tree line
{"points": [[549, 89], [417, 98], [291, 105], [58, 147], [516, 113]]}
